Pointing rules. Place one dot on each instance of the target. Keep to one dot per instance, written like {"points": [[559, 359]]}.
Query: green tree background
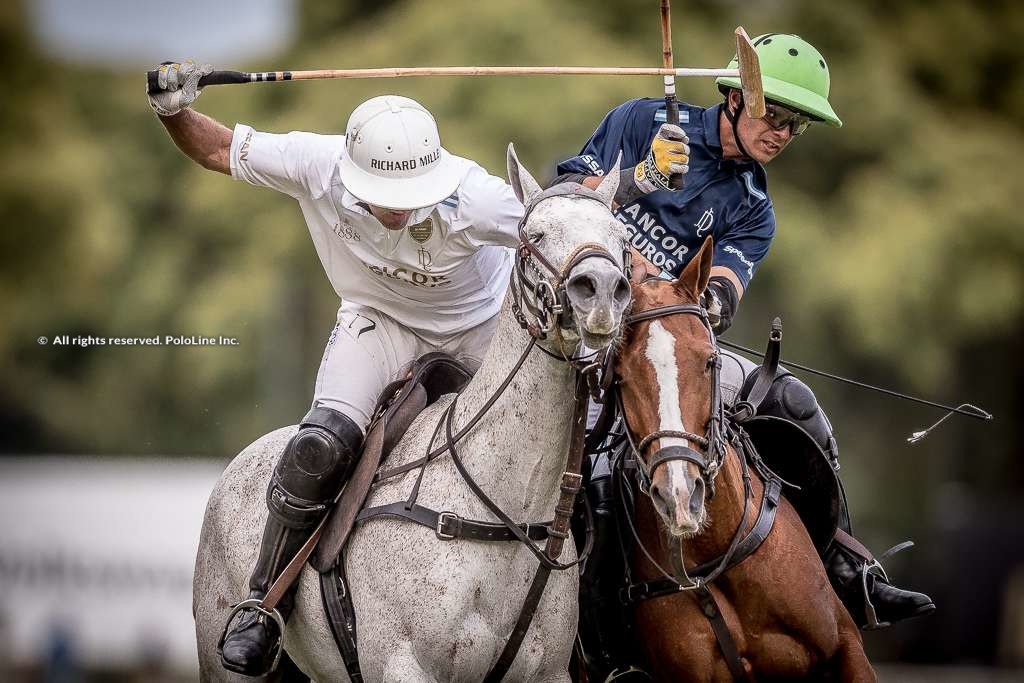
{"points": [[899, 257]]}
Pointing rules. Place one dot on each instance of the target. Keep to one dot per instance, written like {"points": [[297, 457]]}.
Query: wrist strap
{"points": [[628, 192]]}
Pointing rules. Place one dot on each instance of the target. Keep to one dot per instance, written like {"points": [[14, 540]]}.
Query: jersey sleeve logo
{"points": [[243, 151], [743, 258]]}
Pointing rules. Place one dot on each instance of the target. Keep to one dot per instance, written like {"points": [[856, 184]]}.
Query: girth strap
{"points": [[726, 643], [448, 526], [341, 618]]}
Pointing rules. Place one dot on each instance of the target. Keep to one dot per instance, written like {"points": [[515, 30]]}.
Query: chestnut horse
{"points": [[780, 615]]}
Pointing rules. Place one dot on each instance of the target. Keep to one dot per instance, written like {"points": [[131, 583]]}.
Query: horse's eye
{"points": [[537, 238]]}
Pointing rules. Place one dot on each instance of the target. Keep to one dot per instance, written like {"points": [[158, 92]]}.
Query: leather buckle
{"points": [[743, 411], [634, 592], [441, 519]]}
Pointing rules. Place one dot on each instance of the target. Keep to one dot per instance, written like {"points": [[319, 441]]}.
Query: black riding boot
{"points": [[871, 599], [249, 647], [597, 586], [862, 585], [312, 469]]}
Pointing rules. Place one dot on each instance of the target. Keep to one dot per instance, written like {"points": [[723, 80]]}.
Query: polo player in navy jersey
{"points": [[725, 196]]}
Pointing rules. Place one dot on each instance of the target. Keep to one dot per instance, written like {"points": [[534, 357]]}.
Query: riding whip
{"points": [[965, 409]]}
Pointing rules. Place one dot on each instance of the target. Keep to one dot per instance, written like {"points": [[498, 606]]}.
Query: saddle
{"points": [[432, 375], [791, 453]]}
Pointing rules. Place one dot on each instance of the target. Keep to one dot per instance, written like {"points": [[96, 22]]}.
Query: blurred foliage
{"points": [[899, 243], [899, 257]]}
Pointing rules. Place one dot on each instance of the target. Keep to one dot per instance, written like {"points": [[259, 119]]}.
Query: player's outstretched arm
{"points": [[203, 139]]}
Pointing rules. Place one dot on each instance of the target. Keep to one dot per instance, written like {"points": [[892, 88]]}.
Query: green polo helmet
{"points": [[793, 73]]}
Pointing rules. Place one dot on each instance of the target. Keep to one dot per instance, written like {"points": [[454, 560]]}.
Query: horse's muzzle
{"points": [[679, 502], [599, 294]]}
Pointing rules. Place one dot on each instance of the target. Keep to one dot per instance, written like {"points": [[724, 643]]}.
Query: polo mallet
{"points": [[748, 67], [749, 72]]}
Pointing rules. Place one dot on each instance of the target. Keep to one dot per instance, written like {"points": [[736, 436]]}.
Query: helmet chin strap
{"points": [[734, 119]]}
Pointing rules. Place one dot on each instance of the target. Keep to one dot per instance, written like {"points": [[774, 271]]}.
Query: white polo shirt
{"points": [[444, 273]]}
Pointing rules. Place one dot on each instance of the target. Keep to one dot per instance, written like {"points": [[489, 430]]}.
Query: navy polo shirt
{"points": [[727, 199]]}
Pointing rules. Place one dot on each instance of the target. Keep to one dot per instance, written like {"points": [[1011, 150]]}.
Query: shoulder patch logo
{"points": [[661, 116], [422, 231]]}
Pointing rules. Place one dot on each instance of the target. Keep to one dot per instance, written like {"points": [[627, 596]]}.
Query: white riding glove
{"points": [[179, 83]]}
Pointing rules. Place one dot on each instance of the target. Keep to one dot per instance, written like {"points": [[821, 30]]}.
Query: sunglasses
{"points": [[778, 117]]}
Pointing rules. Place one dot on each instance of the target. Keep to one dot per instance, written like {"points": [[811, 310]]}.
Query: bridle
{"points": [[544, 296], [712, 442]]}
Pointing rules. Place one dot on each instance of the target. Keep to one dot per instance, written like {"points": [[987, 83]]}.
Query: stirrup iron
{"points": [[873, 624], [256, 604]]}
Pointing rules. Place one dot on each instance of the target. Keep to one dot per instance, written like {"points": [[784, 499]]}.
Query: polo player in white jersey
{"points": [[415, 242]]}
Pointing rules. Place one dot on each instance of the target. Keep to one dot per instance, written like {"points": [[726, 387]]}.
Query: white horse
{"points": [[427, 609]]}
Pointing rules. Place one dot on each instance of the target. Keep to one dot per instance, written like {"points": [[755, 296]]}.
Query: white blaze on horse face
{"points": [[661, 352]]}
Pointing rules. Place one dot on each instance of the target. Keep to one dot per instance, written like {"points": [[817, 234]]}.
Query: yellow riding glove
{"points": [[669, 155]]}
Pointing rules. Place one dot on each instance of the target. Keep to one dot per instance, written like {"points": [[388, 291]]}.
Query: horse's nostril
{"points": [[583, 286], [622, 291], [656, 495], [697, 498]]}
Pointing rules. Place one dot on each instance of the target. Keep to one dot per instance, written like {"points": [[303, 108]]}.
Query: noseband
{"points": [[712, 442], [549, 306]]}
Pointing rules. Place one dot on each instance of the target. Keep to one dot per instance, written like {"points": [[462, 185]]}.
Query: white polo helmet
{"points": [[393, 156]]}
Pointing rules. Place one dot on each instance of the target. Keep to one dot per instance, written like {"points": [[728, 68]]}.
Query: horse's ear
{"points": [[640, 268], [610, 183], [523, 184], [694, 279]]}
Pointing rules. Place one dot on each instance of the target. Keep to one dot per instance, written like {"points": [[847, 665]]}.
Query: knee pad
{"points": [[791, 399], [313, 467]]}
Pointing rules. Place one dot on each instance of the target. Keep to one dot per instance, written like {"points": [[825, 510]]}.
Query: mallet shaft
{"points": [[671, 103], [403, 72], [227, 77]]}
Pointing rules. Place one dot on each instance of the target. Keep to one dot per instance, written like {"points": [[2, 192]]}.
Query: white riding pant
{"points": [[735, 369], [367, 350]]}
